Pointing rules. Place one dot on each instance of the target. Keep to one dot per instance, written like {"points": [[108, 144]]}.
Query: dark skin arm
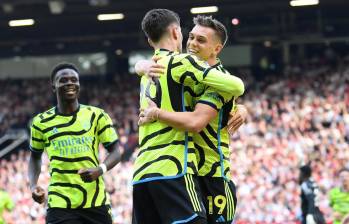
{"points": [[113, 158], [34, 170]]}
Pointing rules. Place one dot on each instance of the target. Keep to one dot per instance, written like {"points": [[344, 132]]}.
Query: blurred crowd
{"points": [[298, 117]]}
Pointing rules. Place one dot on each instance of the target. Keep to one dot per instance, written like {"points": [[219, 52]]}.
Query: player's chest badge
{"points": [[54, 130], [85, 125]]}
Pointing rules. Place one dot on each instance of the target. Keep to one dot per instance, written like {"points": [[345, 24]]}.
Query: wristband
{"points": [[103, 167]]}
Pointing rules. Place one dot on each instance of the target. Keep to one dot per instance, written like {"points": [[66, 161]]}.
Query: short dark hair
{"points": [[62, 66], [208, 21], [306, 170], [156, 21]]}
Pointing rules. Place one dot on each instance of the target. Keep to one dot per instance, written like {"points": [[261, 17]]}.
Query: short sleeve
{"points": [[211, 98], [105, 130], [190, 71], [37, 142]]}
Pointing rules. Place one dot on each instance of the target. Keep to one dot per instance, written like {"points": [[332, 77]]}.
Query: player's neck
{"points": [[167, 44], [212, 61], [67, 107]]}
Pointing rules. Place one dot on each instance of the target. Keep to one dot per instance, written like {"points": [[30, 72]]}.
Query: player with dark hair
{"points": [[339, 198], [165, 187], [211, 137], [311, 213], [70, 133]]}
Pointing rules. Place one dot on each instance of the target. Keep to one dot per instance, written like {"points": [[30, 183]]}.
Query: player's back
{"points": [[310, 201], [166, 152]]}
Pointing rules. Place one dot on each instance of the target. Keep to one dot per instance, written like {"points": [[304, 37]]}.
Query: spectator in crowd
{"points": [[339, 198], [6, 203]]}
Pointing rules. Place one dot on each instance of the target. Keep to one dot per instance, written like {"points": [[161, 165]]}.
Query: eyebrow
{"points": [[198, 35]]}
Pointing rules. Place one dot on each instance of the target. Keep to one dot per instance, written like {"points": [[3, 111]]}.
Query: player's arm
{"points": [[114, 156], [223, 82], [34, 166], [191, 71], [34, 170], [193, 121]]}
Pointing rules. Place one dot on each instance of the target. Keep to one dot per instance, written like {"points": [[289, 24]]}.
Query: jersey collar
{"points": [[218, 63], [162, 52], [67, 115]]}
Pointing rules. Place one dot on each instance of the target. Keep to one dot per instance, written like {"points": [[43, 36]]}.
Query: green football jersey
{"points": [[166, 152], [339, 202], [72, 142], [5, 203], [212, 143]]}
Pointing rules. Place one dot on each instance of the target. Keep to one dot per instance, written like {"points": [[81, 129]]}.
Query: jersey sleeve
{"points": [[105, 130], [212, 98], [190, 71], [37, 141]]}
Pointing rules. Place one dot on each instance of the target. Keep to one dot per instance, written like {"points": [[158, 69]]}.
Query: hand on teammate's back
{"points": [[237, 118], [38, 194], [155, 70], [90, 174], [149, 114]]}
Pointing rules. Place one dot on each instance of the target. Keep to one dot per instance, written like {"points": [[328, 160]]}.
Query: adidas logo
{"points": [[55, 130], [220, 219]]}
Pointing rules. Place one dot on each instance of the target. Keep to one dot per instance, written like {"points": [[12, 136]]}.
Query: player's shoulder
{"points": [[306, 187], [185, 57], [91, 109], [44, 115]]}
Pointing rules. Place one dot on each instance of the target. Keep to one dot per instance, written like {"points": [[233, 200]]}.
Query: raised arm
{"points": [[188, 71]]}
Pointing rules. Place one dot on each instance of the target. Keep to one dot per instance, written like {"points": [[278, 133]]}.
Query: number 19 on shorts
{"points": [[219, 201]]}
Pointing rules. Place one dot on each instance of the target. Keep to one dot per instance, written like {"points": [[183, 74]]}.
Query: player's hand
{"points": [[156, 58], [153, 69], [237, 118], [38, 194], [90, 174], [149, 114]]}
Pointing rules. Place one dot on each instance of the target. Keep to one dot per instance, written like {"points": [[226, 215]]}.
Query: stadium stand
{"points": [[298, 116]]}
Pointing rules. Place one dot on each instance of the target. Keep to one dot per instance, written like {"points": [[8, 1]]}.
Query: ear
{"points": [[218, 48], [54, 89], [173, 32], [150, 42]]}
